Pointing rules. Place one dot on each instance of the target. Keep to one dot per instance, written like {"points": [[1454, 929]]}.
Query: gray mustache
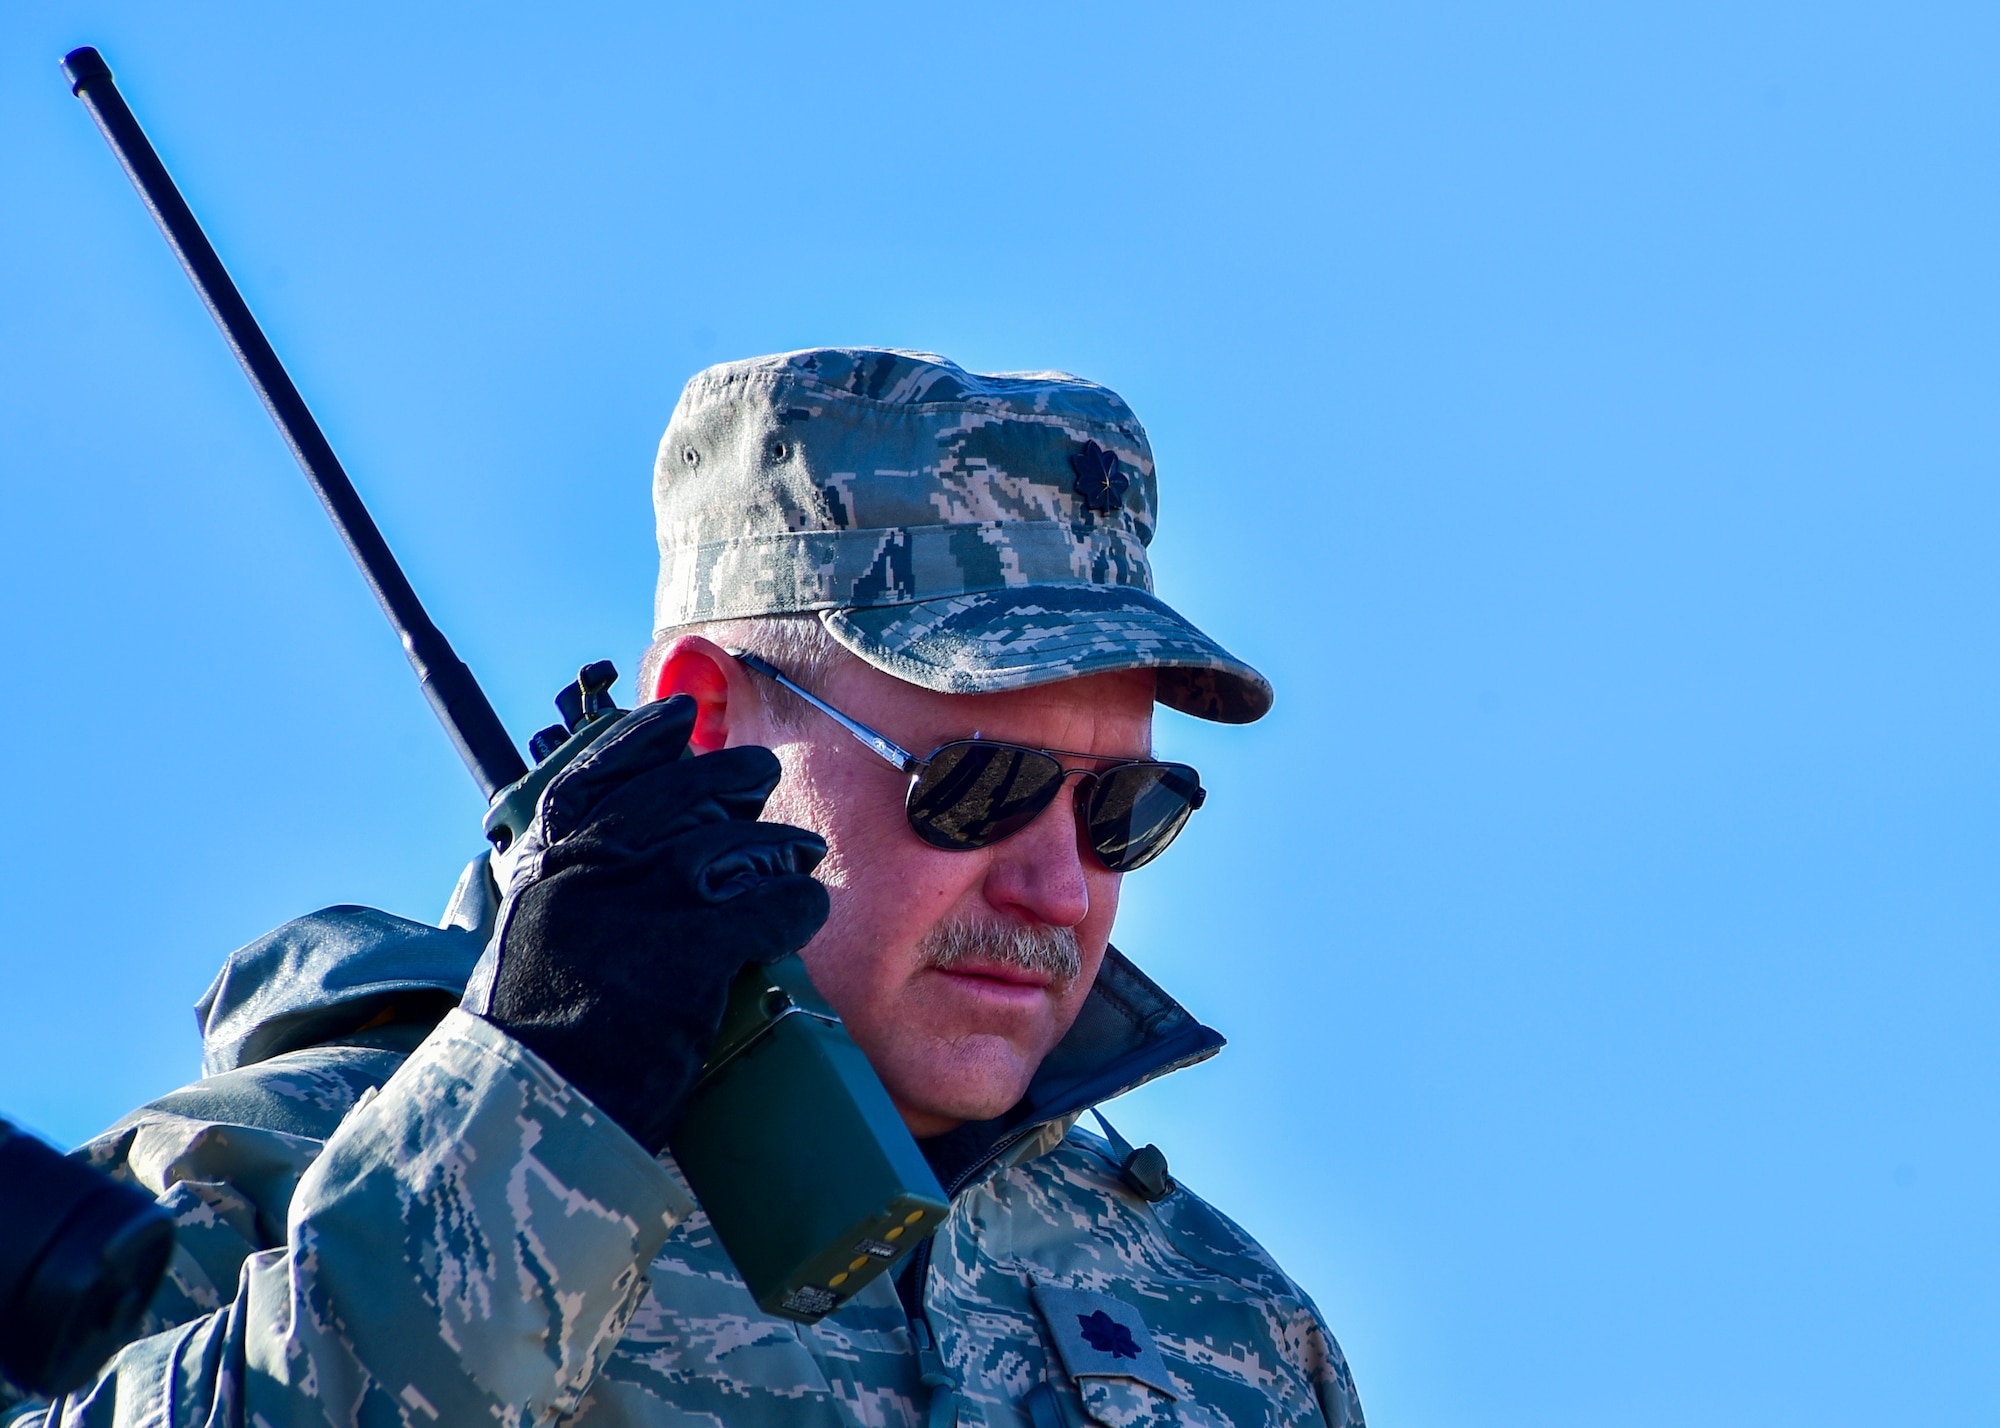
{"points": [[1053, 950]]}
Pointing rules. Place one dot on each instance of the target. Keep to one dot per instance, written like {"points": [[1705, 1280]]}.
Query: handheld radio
{"points": [[789, 1140]]}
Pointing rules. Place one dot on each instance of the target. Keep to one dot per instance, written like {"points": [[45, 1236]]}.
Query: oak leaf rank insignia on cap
{"points": [[1098, 479]]}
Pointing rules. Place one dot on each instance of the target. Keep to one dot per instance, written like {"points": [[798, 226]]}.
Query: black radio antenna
{"points": [[454, 695]]}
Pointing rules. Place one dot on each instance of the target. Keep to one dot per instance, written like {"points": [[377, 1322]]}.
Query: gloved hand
{"points": [[639, 890]]}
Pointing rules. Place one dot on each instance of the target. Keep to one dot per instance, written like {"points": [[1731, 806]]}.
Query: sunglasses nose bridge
{"points": [[1086, 780], [1086, 789], [1086, 783]]}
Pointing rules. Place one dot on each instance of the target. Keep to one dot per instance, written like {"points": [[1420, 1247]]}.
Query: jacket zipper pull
{"points": [[1144, 1170]]}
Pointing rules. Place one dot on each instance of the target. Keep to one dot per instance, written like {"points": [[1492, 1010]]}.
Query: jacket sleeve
{"points": [[468, 1247]]}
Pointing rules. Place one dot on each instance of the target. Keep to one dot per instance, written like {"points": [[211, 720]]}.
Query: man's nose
{"points": [[1039, 874]]}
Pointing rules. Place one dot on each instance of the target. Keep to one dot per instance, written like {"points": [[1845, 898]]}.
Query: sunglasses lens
{"points": [[972, 794], [1137, 809]]}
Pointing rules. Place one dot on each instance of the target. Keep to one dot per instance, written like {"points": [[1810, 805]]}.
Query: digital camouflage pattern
{"points": [[406, 1225], [964, 532]]}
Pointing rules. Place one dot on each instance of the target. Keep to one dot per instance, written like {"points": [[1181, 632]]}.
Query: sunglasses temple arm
{"points": [[902, 761]]}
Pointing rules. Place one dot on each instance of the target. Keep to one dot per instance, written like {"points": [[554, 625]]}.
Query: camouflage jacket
{"points": [[391, 1217]]}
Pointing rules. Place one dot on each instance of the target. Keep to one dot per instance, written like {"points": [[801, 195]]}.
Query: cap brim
{"points": [[1037, 634]]}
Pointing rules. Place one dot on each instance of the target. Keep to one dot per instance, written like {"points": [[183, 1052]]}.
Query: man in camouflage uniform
{"points": [[395, 1207]]}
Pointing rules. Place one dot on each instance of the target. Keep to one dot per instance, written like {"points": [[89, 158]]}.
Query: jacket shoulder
{"points": [[1081, 1180], [225, 1154], [300, 1093]]}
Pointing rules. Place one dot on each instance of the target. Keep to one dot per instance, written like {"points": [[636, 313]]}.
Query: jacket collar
{"points": [[321, 976]]}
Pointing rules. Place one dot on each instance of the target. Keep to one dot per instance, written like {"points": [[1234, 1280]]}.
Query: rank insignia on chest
{"points": [[1098, 1336]]}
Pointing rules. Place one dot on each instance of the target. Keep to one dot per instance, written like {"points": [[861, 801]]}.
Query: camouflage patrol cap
{"points": [[964, 532]]}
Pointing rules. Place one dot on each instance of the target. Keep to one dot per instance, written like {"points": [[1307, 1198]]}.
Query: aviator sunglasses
{"points": [[971, 793]]}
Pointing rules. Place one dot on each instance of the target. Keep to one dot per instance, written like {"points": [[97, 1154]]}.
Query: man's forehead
{"points": [[1110, 712]]}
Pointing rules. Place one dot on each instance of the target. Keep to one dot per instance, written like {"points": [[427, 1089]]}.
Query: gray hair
{"points": [[797, 644], [1032, 948]]}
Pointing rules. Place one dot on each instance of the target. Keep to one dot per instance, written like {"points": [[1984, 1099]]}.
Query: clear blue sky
{"points": [[1585, 414]]}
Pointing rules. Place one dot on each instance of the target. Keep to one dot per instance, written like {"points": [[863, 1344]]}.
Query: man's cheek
{"points": [[1096, 929]]}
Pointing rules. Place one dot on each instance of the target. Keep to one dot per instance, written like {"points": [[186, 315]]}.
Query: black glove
{"points": [[641, 888]]}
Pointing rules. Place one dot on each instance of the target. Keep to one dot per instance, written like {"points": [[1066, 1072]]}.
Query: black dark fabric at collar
{"points": [[1128, 1033]]}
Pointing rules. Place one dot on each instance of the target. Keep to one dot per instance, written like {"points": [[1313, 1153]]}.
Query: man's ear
{"points": [[719, 686]]}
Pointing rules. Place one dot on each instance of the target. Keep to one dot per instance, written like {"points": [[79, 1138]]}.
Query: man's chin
{"points": [[966, 1083]]}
